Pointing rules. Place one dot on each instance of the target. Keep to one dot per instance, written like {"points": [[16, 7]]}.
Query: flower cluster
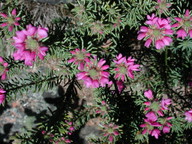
{"points": [[2, 95], [111, 131], [158, 32], [80, 57], [10, 20], [70, 127], [124, 67], [94, 74], [3, 68], [28, 44], [184, 25], [154, 121], [93, 71], [188, 115]]}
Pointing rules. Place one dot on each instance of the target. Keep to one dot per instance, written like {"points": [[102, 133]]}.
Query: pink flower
{"points": [[28, 44], [149, 94], [120, 85], [155, 133], [148, 42], [94, 74], [149, 126], [188, 116], [151, 116], [160, 112], [190, 33], [166, 129], [70, 123], [147, 103], [3, 68], [111, 131], [155, 116], [158, 32], [124, 67], [165, 103], [43, 132], [80, 57], [10, 20], [181, 33], [71, 128], [166, 126], [2, 95], [154, 106], [184, 25], [103, 102], [148, 123], [68, 141]]}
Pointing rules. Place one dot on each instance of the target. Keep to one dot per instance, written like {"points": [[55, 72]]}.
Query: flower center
{"points": [[123, 70], [110, 130], [80, 56], [150, 127], [155, 106], [10, 20], [1, 69], [156, 32], [93, 73], [32, 44]]}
